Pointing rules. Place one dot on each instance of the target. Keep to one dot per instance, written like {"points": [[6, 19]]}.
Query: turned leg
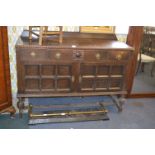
{"points": [[118, 102], [21, 106], [122, 100], [12, 111]]}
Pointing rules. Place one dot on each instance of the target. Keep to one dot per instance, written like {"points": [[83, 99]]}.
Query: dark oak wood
{"points": [[134, 39], [5, 84], [82, 65], [142, 95]]}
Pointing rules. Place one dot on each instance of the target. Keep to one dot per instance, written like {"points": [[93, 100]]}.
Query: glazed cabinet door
{"points": [[5, 85]]}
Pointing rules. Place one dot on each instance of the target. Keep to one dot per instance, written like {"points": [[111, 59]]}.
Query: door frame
{"points": [[134, 39], [7, 107]]}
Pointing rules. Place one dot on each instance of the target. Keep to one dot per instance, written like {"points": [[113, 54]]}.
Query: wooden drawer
{"points": [[46, 55], [71, 55], [34, 55], [61, 55], [95, 55], [119, 55]]}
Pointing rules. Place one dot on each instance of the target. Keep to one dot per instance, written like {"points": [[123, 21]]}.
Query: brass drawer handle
{"points": [[33, 54], [73, 78], [119, 56], [78, 54], [98, 56], [57, 55], [80, 79]]}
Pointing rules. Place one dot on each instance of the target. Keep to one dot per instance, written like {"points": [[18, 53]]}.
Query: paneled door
{"points": [[102, 77], [5, 84], [45, 78]]}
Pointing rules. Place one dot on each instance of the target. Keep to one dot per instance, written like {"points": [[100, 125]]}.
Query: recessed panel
{"points": [[87, 83], [48, 70], [63, 84], [31, 70], [116, 84], [102, 83], [64, 70], [87, 70], [117, 70], [32, 84], [103, 70], [47, 84]]}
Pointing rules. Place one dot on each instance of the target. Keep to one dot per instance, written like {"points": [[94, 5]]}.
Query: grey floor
{"points": [[137, 114], [143, 81]]}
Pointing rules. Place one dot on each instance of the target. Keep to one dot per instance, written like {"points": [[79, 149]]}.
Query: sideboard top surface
{"points": [[76, 40]]}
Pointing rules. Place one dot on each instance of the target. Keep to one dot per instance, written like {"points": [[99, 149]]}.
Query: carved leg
{"points": [[122, 100], [118, 102], [21, 106], [12, 111]]}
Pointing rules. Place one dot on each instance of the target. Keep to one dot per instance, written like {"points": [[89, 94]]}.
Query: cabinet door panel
{"points": [[47, 78], [3, 93], [5, 86], [102, 84], [101, 77]]}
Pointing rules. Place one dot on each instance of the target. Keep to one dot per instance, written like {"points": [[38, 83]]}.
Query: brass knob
{"points": [[33, 54], [78, 54], [80, 79], [58, 55], [73, 78], [98, 56], [119, 56]]}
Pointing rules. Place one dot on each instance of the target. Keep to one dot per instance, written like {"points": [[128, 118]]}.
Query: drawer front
{"points": [[61, 55], [34, 55], [119, 55], [95, 55], [105, 55], [52, 55]]}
